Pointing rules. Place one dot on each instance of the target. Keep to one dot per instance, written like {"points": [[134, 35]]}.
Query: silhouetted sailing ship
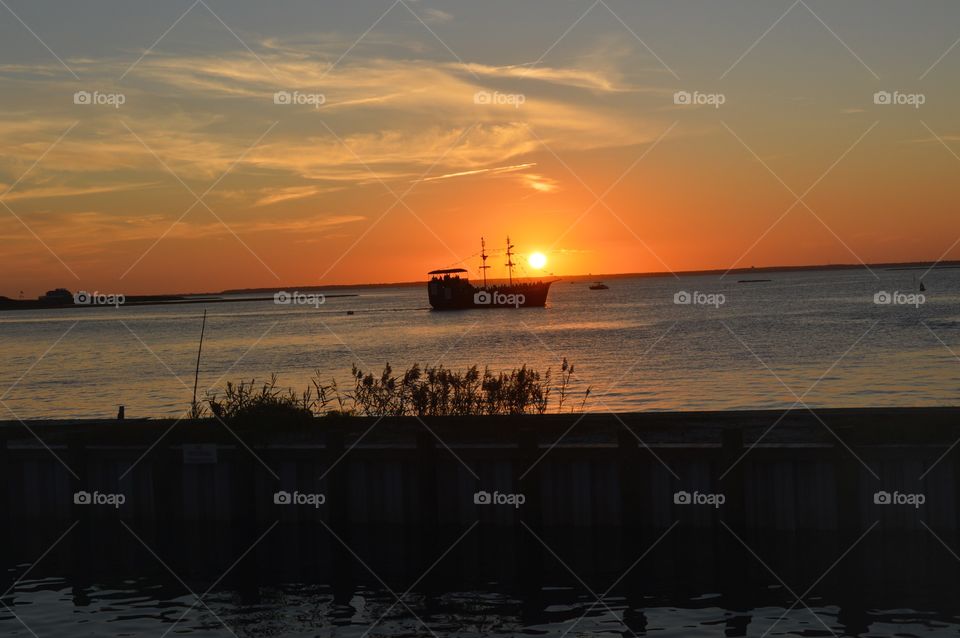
{"points": [[448, 290]]}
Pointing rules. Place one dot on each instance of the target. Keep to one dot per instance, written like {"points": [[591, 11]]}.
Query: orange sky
{"points": [[587, 158]]}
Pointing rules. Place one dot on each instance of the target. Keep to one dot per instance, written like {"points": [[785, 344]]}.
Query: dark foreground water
{"points": [[817, 334], [304, 581]]}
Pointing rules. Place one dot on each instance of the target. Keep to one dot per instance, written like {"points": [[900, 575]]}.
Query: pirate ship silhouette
{"points": [[448, 290]]}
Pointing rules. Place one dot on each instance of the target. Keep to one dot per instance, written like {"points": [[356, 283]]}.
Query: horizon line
{"points": [[932, 265]]}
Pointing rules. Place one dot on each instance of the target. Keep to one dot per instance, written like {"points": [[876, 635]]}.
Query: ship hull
{"points": [[459, 294]]}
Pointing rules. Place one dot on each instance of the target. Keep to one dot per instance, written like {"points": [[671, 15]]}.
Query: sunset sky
{"points": [[582, 153]]}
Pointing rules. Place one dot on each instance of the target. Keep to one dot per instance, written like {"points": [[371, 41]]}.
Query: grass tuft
{"points": [[428, 391]]}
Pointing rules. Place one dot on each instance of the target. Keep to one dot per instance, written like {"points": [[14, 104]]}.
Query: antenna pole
{"points": [[483, 256], [196, 374], [509, 260]]}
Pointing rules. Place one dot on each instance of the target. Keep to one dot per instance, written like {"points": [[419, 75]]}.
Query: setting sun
{"points": [[537, 260]]}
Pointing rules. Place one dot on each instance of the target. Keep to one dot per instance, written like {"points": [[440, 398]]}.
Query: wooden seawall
{"points": [[836, 470]]}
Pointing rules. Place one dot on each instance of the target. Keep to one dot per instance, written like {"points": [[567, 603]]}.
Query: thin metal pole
{"points": [[196, 374]]}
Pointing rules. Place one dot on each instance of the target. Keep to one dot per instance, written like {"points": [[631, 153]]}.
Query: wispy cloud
{"points": [[46, 192], [397, 114], [275, 196], [435, 16], [77, 231], [480, 171]]}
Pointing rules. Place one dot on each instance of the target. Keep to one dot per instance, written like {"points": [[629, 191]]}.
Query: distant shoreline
{"points": [[910, 265], [143, 300], [219, 297]]}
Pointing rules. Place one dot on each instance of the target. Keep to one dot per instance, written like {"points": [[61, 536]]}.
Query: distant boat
{"points": [[752, 281], [599, 286], [60, 296], [921, 288], [448, 290]]}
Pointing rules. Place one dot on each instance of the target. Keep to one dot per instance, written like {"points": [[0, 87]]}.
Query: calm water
{"points": [[632, 344], [295, 583]]}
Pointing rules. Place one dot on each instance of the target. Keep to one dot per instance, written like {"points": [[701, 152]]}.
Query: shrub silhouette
{"points": [[428, 391]]}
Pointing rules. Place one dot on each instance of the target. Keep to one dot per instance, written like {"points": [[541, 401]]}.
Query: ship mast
{"points": [[483, 256], [510, 263]]}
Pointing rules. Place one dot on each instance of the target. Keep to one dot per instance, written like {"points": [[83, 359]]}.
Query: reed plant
{"points": [[249, 401], [427, 391]]}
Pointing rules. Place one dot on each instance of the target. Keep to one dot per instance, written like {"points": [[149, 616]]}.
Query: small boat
{"points": [[58, 296], [599, 286], [921, 287], [448, 290]]}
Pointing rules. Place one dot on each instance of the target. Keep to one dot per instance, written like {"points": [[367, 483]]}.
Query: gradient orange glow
{"points": [[202, 181]]}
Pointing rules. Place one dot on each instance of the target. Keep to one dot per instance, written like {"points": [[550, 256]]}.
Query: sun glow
{"points": [[537, 260]]}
